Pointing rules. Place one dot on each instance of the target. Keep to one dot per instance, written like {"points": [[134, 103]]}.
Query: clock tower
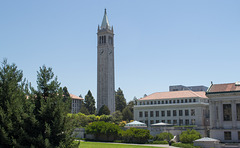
{"points": [[105, 66]]}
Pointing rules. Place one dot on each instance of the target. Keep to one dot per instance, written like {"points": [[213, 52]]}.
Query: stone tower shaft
{"points": [[105, 66]]}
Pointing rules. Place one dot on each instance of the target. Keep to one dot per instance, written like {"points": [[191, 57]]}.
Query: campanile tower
{"points": [[105, 66]]}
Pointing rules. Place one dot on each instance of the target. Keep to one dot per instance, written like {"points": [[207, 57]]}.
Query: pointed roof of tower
{"points": [[105, 23]]}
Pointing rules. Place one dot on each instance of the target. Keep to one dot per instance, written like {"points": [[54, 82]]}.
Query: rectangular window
{"points": [[190, 100], [163, 121], [238, 111], [151, 113], [181, 101], [157, 121], [238, 135], [162, 102], [192, 112], [140, 114], [163, 113], [166, 102], [158, 102], [146, 122], [227, 136], [155, 102], [180, 113], [146, 113], [227, 112], [186, 112], [175, 122], [174, 113], [169, 121], [170, 101], [194, 100], [174, 101], [186, 101], [193, 121], [186, 122], [151, 121], [168, 113], [157, 113], [180, 122], [177, 101]]}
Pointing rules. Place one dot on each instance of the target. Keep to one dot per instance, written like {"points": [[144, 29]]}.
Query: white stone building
{"points": [[76, 103], [175, 107], [224, 111]]}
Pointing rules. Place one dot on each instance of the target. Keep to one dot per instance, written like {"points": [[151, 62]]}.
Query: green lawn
{"points": [[109, 145]]}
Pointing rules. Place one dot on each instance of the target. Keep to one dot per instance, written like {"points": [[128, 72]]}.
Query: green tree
{"points": [[53, 128], [103, 131], [83, 109], [117, 117], [104, 111], [127, 114], [67, 99], [14, 107], [134, 135], [163, 137], [189, 136], [120, 101], [89, 103]]}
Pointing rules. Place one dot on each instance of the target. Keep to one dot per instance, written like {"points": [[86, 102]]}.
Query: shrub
{"points": [[134, 135], [189, 136], [163, 136], [103, 131], [160, 142], [184, 145]]}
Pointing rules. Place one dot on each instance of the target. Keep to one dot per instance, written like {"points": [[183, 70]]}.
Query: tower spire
{"points": [[105, 23]]}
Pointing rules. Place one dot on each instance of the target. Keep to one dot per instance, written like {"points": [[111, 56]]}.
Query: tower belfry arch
{"points": [[105, 65]]}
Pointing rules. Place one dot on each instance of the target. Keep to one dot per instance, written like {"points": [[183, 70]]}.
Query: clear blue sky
{"points": [[157, 43]]}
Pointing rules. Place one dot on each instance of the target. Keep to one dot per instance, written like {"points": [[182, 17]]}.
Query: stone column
{"points": [[234, 114], [212, 108], [220, 114]]}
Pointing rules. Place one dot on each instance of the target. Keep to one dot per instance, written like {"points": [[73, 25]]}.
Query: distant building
{"points": [[76, 103], [224, 111], [175, 107], [192, 88]]}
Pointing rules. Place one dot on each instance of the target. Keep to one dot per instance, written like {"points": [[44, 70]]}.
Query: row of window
{"points": [[103, 40], [228, 135], [168, 113], [174, 122], [167, 101], [227, 112]]}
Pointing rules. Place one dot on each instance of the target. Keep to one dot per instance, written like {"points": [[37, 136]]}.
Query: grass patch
{"points": [[109, 145], [184, 145]]}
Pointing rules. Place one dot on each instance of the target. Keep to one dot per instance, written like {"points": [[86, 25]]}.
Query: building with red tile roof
{"points": [[175, 107], [76, 103], [224, 104]]}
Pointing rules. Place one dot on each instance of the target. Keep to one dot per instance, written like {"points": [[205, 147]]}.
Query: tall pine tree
{"points": [[53, 128], [13, 107], [120, 101], [89, 103]]}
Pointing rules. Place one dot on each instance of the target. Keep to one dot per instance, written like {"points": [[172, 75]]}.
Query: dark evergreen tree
{"points": [[89, 103], [67, 99], [13, 110], [104, 110], [120, 101], [53, 128], [127, 114], [83, 109]]}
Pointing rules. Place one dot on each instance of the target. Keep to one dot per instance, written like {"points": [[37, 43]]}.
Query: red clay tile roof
{"points": [[175, 95], [228, 87], [75, 97]]}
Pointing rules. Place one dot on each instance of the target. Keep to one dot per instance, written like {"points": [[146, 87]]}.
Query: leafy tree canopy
{"points": [[189, 136], [89, 103]]}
